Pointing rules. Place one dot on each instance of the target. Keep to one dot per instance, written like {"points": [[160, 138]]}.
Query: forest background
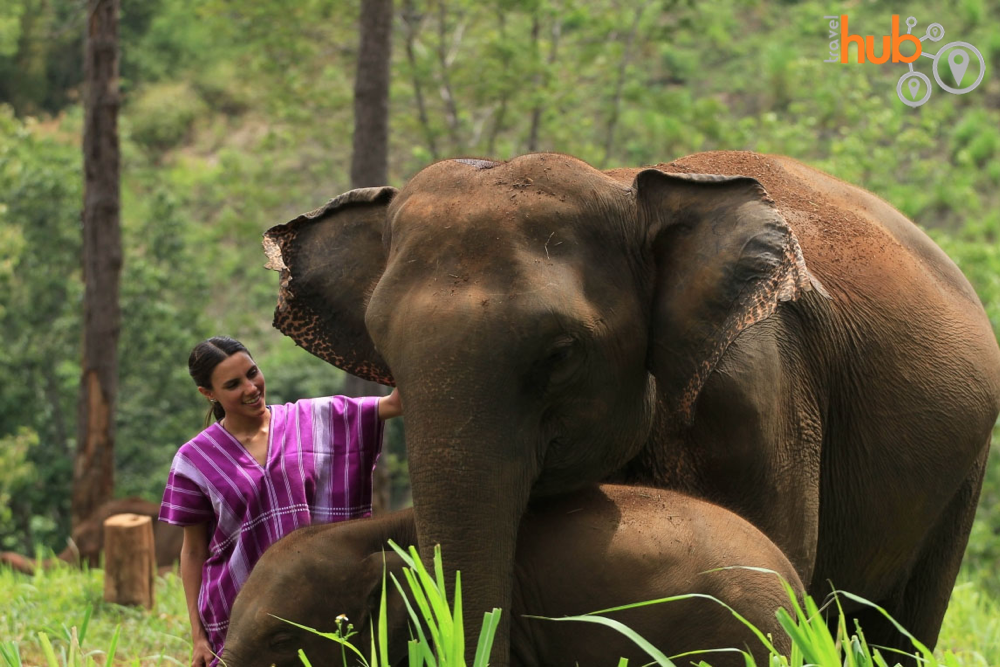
{"points": [[238, 116]]}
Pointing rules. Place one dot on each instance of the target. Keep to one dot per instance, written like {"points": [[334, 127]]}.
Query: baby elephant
{"points": [[595, 549]]}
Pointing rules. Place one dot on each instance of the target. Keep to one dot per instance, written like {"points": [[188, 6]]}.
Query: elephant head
{"points": [[530, 312], [325, 581]]}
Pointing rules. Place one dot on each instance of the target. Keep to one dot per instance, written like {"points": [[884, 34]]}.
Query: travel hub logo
{"points": [[958, 56]]}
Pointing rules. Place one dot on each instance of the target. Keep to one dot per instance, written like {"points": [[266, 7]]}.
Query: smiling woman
{"points": [[257, 473]]}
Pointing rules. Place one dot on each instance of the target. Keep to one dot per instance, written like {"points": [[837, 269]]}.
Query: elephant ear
{"points": [[725, 258], [330, 260]]}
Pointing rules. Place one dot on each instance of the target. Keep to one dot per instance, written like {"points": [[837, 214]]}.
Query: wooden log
{"points": [[17, 562], [129, 560]]}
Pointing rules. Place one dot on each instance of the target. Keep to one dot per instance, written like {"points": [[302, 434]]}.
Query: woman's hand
{"points": [[390, 406], [201, 655]]}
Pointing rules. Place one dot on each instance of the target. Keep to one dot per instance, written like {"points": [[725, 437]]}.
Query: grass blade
{"points": [[414, 654], [457, 625], [85, 623], [416, 589], [50, 654], [421, 643], [383, 624], [925, 652], [113, 647], [491, 620], [11, 654], [436, 598], [328, 635], [640, 641]]}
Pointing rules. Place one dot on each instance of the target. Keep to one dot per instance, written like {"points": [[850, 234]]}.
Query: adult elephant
{"points": [[741, 327]]}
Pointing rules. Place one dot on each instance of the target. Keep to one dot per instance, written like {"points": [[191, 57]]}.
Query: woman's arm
{"points": [[194, 553], [390, 406]]}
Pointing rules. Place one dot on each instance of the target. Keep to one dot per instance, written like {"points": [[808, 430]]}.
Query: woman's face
{"points": [[238, 385]]}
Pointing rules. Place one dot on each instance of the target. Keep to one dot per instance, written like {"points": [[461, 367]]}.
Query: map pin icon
{"points": [[914, 86], [958, 62]]}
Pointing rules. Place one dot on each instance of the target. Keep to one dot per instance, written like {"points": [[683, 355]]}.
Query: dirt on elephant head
{"points": [[833, 220]]}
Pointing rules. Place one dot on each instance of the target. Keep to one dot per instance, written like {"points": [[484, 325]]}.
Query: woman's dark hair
{"points": [[205, 356]]}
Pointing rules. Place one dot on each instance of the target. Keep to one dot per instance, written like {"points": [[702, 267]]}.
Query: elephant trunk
{"points": [[469, 496]]}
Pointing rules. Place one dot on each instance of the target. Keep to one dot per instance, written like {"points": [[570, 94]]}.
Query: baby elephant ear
{"points": [[330, 260], [724, 259]]}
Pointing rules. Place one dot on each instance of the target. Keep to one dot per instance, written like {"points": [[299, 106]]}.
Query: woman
{"points": [[259, 472]]}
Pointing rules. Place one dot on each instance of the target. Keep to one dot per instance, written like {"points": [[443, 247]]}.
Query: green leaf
{"points": [[383, 622], [421, 644], [491, 620], [50, 654], [640, 641], [113, 647], [85, 623], [333, 636]]}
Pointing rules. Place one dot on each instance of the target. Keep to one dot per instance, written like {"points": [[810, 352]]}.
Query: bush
{"points": [[162, 115]]}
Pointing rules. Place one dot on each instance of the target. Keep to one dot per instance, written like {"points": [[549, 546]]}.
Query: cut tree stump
{"points": [[129, 560]]}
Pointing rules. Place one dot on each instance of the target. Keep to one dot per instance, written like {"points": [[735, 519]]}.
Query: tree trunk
{"points": [[370, 157], [447, 96], [536, 113], [129, 560], [93, 471], [412, 22]]}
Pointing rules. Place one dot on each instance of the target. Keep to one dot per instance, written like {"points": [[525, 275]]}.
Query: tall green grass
{"points": [[57, 618], [40, 613]]}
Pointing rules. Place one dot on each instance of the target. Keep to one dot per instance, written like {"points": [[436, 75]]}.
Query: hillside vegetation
{"points": [[238, 116]]}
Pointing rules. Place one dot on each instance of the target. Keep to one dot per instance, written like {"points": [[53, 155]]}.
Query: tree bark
{"points": [[451, 108], [412, 22], [504, 90], [536, 113], [370, 157], [93, 471], [129, 560]]}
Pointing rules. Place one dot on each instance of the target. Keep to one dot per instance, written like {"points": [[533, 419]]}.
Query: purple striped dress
{"points": [[320, 457]]}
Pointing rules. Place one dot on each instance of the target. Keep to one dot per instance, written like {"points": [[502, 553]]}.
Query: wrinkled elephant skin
{"points": [[594, 549], [741, 327]]}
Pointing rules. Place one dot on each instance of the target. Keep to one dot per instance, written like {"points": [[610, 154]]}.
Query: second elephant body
{"points": [[595, 549]]}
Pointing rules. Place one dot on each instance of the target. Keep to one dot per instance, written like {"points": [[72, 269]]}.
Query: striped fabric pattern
{"points": [[320, 457]]}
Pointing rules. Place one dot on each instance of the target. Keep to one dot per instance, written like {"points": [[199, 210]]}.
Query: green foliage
{"points": [[162, 114], [66, 606], [39, 273], [10, 27], [446, 644], [16, 474]]}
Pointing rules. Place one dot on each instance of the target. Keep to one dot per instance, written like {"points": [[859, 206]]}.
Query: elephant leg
{"points": [[920, 603]]}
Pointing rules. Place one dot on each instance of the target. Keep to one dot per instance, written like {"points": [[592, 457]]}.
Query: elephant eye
{"points": [[559, 355], [562, 360], [281, 641]]}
